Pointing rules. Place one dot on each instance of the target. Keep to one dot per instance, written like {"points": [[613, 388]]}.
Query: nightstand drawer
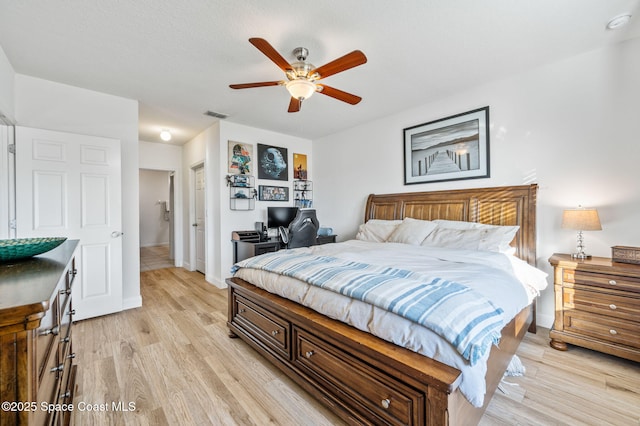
{"points": [[602, 280], [603, 328], [617, 306]]}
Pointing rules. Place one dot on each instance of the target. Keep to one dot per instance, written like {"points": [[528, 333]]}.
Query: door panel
{"points": [[200, 220], [69, 185]]}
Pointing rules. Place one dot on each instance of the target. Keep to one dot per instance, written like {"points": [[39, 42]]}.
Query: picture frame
{"points": [[273, 162], [240, 157], [450, 148], [300, 166], [273, 193]]}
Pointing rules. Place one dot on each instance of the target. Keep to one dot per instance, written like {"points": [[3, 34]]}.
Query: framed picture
{"points": [[272, 162], [451, 148], [300, 166], [240, 156], [273, 193]]}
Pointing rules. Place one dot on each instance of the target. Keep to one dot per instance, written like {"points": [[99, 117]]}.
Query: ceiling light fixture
{"points": [[165, 135], [619, 21], [300, 88]]}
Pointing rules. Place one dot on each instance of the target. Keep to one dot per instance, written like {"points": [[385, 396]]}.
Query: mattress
{"points": [[506, 281]]}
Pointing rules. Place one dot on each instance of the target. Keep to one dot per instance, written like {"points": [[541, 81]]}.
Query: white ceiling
{"points": [[178, 57]]}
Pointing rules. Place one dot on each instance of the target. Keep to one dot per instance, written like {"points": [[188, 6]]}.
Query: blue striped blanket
{"points": [[459, 314]]}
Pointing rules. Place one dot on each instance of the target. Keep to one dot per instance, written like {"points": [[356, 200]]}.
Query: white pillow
{"points": [[411, 231], [468, 239], [377, 230], [498, 238]]}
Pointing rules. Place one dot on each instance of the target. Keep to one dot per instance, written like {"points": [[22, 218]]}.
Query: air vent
{"points": [[216, 114]]}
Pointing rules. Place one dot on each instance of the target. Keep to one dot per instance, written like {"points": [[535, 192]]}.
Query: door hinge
{"points": [[12, 148]]}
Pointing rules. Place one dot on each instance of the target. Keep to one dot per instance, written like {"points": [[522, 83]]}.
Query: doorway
{"points": [[157, 247]]}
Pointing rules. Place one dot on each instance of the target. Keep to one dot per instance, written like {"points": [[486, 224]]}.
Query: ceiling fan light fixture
{"points": [[300, 89]]}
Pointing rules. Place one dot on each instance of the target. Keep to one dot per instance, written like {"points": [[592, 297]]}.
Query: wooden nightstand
{"points": [[597, 305]]}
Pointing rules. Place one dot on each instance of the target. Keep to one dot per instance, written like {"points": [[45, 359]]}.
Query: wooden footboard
{"points": [[366, 380]]}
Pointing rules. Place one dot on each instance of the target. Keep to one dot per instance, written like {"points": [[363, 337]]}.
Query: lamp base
{"points": [[581, 256]]}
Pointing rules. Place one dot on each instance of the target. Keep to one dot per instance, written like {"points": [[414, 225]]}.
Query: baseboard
{"points": [[215, 282], [154, 244], [545, 321]]}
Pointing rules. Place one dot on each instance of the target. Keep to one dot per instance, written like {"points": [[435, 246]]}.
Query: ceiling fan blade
{"points": [[343, 63], [271, 53], [339, 95], [250, 85], [294, 105]]}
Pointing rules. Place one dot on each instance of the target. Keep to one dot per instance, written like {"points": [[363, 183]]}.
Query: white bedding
{"points": [[497, 276]]}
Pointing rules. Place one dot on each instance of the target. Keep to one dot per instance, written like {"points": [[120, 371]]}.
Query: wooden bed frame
{"points": [[367, 380]]}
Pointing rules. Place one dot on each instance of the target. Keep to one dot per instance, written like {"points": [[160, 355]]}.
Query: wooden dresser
{"points": [[37, 372], [597, 304]]}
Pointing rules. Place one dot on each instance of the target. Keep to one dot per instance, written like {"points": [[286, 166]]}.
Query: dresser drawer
{"points": [[603, 328], [365, 389], [615, 305], [270, 330], [601, 280], [46, 337]]}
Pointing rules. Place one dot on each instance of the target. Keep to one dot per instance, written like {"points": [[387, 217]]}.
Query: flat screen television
{"points": [[280, 216]]}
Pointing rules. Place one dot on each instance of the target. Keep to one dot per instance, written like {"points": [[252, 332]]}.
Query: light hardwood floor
{"points": [[173, 360]]}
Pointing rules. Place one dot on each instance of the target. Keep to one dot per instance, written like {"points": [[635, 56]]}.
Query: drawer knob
{"points": [[386, 403], [55, 330], [58, 368], [71, 355], [242, 310], [613, 332], [309, 354], [612, 306], [612, 282], [65, 340], [274, 332], [67, 394], [72, 312]]}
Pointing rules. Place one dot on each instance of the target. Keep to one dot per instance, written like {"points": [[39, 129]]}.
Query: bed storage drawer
{"points": [[269, 330], [363, 388]]}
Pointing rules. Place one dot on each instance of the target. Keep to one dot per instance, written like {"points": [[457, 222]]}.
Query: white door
{"points": [[69, 185], [199, 219]]}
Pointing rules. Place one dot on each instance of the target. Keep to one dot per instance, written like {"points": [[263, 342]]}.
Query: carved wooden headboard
{"points": [[503, 205]]}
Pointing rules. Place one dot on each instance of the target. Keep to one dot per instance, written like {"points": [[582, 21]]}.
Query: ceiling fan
{"points": [[302, 76]]}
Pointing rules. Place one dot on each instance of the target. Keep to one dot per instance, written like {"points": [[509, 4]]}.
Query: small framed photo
{"points": [[300, 166], [273, 193], [450, 148], [240, 155]]}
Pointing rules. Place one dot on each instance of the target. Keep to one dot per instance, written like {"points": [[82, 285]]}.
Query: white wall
{"points": [[54, 106], [7, 95], [572, 127], [154, 224], [210, 148], [7, 111], [231, 220], [158, 156]]}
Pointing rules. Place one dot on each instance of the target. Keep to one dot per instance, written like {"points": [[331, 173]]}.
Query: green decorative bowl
{"points": [[20, 248]]}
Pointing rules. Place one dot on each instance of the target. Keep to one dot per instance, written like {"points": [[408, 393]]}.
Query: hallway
{"points": [[155, 257]]}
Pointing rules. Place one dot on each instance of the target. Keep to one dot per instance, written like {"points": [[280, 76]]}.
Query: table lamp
{"points": [[581, 219]]}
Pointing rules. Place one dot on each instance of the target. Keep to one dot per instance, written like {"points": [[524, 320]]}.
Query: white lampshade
{"points": [[300, 88], [581, 220]]}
